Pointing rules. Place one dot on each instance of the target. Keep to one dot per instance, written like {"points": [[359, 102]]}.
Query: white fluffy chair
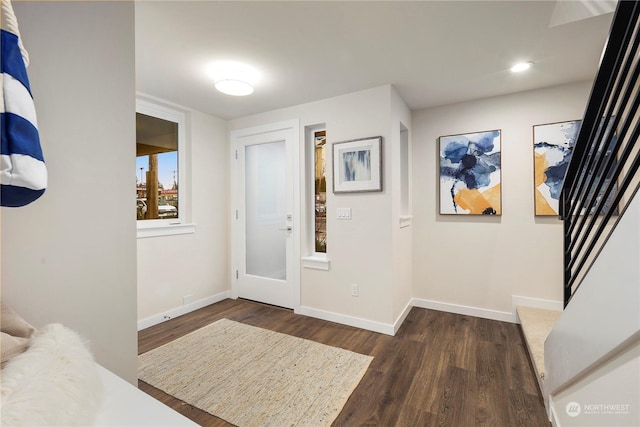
{"points": [[54, 382]]}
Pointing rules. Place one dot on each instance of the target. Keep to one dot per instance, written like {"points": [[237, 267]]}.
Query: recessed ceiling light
{"points": [[234, 78], [521, 66]]}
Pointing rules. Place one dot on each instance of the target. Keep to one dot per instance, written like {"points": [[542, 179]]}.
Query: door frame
{"points": [[293, 157]]}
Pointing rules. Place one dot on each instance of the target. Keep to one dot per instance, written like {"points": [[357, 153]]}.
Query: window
{"points": [[405, 205], [316, 197], [320, 190], [159, 169], [157, 160]]}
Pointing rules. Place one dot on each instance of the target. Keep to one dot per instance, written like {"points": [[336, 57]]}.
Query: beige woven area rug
{"points": [[250, 376]]}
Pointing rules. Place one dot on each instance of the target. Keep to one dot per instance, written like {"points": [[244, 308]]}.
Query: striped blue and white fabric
{"points": [[24, 175]]}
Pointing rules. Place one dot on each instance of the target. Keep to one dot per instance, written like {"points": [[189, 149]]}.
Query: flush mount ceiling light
{"points": [[521, 66], [234, 87], [234, 78]]}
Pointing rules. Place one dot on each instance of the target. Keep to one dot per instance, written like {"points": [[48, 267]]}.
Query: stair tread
{"points": [[536, 325]]}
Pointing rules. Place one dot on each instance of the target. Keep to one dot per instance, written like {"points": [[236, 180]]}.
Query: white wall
{"points": [[601, 321], [478, 261], [359, 250], [608, 396], [402, 237], [172, 267], [70, 257]]}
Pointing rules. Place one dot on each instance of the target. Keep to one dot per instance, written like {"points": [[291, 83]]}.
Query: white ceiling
{"points": [[433, 52]]}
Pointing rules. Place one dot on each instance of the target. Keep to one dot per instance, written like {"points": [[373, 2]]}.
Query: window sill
{"points": [[405, 221], [317, 262], [157, 230]]}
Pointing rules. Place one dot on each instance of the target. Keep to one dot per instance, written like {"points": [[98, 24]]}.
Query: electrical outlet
{"points": [[355, 290]]}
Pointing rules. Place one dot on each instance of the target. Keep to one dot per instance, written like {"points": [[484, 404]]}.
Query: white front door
{"points": [[264, 217]]}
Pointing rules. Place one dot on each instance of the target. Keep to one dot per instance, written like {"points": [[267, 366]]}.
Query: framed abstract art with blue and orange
{"points": [[553, 145], [552, 148], [471, 174]]}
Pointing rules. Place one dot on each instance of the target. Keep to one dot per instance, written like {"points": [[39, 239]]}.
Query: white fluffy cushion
{"points": [[54, 383]]}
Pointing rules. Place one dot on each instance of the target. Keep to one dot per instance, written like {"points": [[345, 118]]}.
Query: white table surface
{"points": [[126, 406]]}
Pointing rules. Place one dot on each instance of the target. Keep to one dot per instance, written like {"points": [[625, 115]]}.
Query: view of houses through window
{"points": [[320, 143], [156, 168]]}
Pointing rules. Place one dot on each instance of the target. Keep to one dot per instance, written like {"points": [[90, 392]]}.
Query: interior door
{"points": [[265, 219]]}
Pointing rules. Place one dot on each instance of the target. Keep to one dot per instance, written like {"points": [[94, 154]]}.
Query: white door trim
{"points": [[293, 263]]}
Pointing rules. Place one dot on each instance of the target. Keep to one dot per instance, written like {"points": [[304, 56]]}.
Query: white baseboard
{"points": [[343, 319], [403, 315], [179, 311], [502, 316], [383, 328], [533, 302]]}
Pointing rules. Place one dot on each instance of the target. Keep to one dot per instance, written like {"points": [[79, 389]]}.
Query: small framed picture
{"points": [[357, 165]]}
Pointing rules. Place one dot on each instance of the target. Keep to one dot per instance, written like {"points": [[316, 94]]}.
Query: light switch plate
{"points": [[344, 213]]}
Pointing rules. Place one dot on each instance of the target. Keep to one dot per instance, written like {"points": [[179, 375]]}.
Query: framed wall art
{"points": [[605, 152], [552, 148], [471, 173], [357, 165]]}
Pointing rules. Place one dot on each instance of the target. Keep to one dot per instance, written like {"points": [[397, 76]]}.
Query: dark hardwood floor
{"points": [[440, 369]]}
